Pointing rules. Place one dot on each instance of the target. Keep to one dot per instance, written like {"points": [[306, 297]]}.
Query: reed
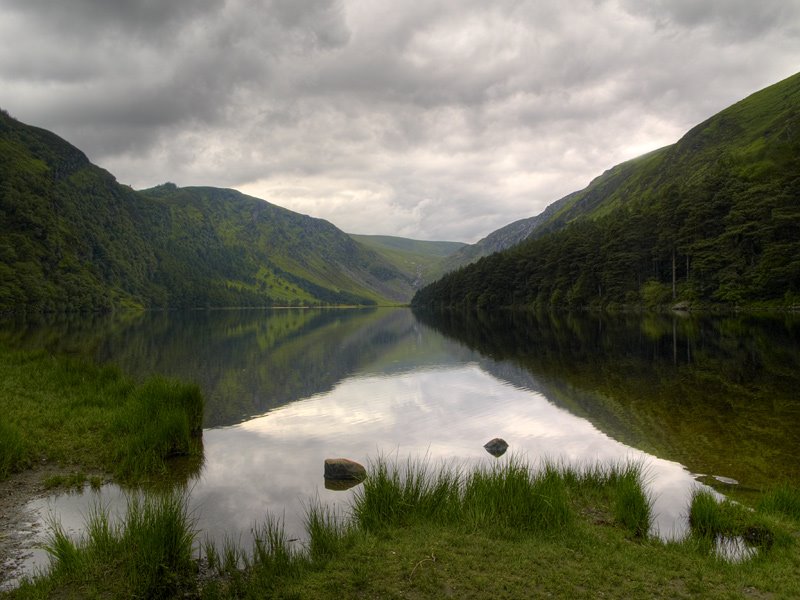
{"points": [[633, 508], [511, 497], [396, 495], [327, 531], [147, 553]]}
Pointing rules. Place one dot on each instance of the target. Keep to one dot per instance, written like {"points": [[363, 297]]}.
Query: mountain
{"points": [[711, 220], [75, 239], [500, 239], [421, 261]]}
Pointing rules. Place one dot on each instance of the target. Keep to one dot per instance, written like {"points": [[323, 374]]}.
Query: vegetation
{"points": [[420, 261], [424, 533], [149, 554], [76, 240], [711, 220], [74, 413]]}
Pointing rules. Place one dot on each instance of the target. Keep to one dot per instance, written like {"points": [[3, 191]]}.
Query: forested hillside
{"points": [[712, 220], [75, 239]]}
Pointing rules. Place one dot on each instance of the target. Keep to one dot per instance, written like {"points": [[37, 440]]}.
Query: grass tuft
{"points": [[162, 419], [146, 554], [394, 496], [509, 497], [783, 500], [327, 531], [633, 508], [14, 452]]}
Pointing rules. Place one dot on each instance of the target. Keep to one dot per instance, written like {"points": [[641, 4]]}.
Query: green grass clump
{"points": [[14, 452], [74, 412], [783, 500], [76, 481], [513, 498], [393, 496], [632, 506], [147, 554], [162, 419], [712, 520]]}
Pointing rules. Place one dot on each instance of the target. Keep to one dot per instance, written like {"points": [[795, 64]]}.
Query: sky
{"points": [[434, 119]]}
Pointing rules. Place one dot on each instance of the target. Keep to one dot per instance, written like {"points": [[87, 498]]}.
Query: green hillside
{"points": [[711, 220], [420, 261], [76, 240]]}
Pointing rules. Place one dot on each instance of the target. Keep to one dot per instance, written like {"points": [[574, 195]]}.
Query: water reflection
{"points": [[288, 389], [716, 394]]}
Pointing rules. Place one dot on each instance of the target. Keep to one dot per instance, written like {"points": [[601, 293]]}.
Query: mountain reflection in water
{"points": [[287, 389]]}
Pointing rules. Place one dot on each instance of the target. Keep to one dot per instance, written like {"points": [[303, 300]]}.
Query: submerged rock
{"points": [[726, 480], [344, 469], [496, 446]]}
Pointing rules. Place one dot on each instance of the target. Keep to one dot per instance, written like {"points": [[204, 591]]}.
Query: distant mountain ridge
{"points": [[421, 261], [75, 239], [711, 220]]}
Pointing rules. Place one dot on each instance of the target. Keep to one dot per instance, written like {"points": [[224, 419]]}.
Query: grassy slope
{"points": [[75, 239], [720, 204], [420, 261], [271, 250]]}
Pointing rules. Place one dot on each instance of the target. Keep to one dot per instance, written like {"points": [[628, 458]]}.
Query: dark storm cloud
{"points": [[435, 119]]}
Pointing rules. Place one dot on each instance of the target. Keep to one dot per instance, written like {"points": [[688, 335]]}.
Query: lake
{"points": [[699, 401]]}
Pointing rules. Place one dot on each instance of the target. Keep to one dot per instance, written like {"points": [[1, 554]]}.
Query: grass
{"points": [[76, 480], [714, 521], [72, 412], [450, 533], [146, 554]]}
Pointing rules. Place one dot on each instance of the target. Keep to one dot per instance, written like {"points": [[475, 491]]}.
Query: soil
{"points": [[19, 527]]}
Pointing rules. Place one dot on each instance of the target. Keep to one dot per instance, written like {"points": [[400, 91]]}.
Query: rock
{"points": [[726, 480], [340, 485], [496, 447], [343, 469]]}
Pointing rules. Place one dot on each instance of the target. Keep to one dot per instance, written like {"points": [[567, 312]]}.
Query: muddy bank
{"points": [[20, 526]]}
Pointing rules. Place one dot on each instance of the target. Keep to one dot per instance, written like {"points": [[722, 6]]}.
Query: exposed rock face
{"points": [[343, 469], [496, 446]]}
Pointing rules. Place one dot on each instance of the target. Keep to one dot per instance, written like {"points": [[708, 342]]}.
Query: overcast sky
{"points": [[434, 119]]}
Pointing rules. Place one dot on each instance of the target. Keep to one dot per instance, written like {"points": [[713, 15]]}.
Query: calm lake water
{"points": [[700, 401]]}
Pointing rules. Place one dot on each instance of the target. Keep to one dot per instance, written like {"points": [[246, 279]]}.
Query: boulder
{"points": [[496, 446], [340, 485], [343, 469]]}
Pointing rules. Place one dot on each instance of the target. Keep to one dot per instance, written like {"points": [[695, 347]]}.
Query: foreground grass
{"points": [[74, 413], [415, 532]]}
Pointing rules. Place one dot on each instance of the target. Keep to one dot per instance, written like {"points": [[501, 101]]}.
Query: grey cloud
{"points": [[89, 19], [731, 19], [437, 119]]}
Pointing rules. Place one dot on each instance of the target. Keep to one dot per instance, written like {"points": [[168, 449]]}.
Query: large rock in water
{"points": [[496, 446], [343, 469]]}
